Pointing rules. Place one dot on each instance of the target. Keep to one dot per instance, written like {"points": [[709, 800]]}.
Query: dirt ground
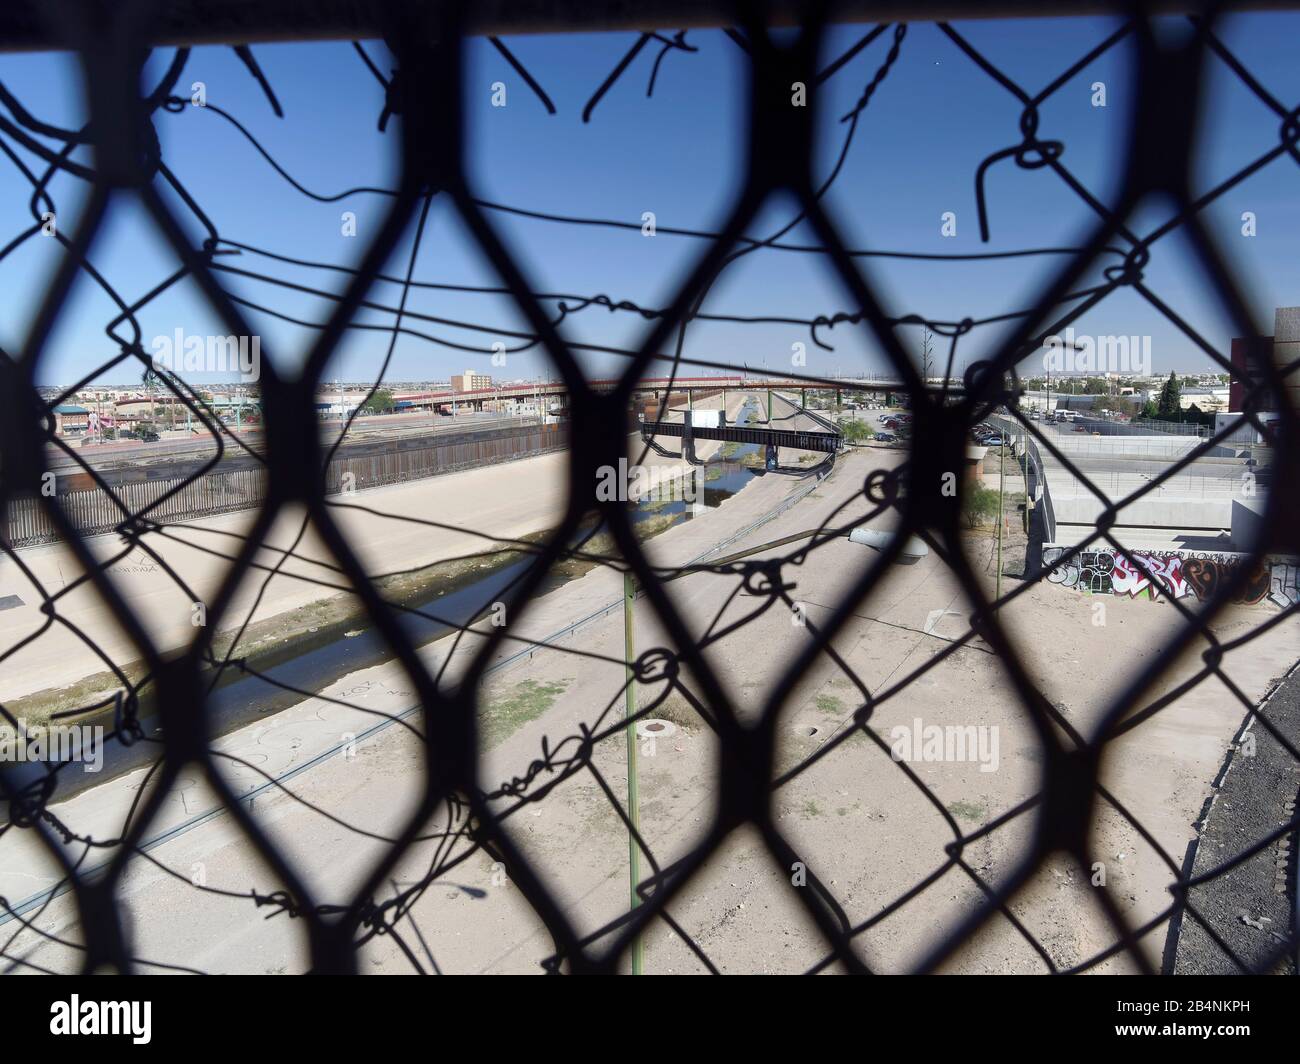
{"points": [[853, 815]]}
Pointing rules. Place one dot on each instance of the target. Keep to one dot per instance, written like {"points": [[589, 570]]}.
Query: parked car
{"points": [[885, 437], [150, 437]]}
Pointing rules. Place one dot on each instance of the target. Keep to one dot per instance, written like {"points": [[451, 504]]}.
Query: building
{"points": [[1079, 402], [469, 381], [1243, 375], [70, 420], [1281, 348], [1246, 433], [1208, 400]]}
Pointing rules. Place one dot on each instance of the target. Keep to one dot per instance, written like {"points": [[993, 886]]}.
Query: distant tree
{"points": [[927, 354], [1150, 410], [856, 431], [381, 402], [1170, 406]]}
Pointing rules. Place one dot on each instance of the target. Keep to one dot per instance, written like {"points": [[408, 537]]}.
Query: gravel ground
{"points": [[1251, 907]]}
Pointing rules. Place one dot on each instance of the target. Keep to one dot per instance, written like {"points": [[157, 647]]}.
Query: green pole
{"points": [[769, 406], [1002, 487], [633, 798]]}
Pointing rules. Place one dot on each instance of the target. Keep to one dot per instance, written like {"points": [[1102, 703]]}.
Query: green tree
{"points": [[1170, 406], [980, 503], [856, 431], [378, 403]]}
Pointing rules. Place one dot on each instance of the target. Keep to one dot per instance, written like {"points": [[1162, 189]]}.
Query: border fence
{"points": [[100, 510], [424, 98]]}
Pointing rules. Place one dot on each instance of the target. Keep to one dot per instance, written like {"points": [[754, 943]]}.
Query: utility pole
{"points": [[633, 797], [1002, 487]]}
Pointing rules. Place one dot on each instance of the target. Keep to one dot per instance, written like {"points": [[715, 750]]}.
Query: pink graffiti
{"points": [[1157, 573], [1178, 575]]}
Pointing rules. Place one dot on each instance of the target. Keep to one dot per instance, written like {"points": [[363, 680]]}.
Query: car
{"points": [[150, 437], [885, 437]]}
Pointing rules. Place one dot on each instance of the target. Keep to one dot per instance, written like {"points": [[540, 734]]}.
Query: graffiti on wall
{"points": [[1176, 574]]}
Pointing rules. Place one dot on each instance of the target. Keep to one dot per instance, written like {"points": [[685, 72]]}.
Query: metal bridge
{"points": [[796, 438]]}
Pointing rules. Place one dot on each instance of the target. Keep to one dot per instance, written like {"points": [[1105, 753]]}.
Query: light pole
{"points": [[633, 795], [1002, 485]]}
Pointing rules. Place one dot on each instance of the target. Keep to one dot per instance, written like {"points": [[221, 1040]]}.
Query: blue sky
{"points": [[679, 155]]}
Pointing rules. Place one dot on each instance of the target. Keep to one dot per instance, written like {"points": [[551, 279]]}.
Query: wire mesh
{"points": [[462, 815]]}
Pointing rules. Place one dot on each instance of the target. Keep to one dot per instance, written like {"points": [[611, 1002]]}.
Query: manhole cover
{"points": [[654, 728]]}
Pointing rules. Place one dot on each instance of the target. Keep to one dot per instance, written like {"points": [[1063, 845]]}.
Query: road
{"points": [[137, 453], [1194, 501]]}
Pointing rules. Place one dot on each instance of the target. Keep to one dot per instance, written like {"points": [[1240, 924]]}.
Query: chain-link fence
{"points": [[164, 711]]}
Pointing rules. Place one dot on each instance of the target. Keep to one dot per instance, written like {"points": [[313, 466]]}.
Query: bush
{"points": [[980, 503], [855, 431]]}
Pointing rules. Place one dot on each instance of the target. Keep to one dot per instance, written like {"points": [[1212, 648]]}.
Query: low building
{"points": [[1207, 400], [1245, 433], [71, 420]]}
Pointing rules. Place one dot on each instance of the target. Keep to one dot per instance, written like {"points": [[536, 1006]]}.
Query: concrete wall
{"points": [[1175, 574], [1155, 445], [1187, 514]]}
